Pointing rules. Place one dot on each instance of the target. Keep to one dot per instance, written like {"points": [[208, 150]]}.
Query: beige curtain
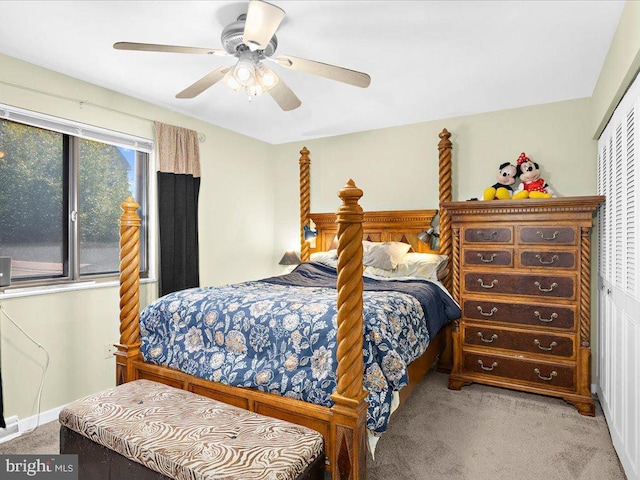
{"points": [[178, 190], [178, 149]]}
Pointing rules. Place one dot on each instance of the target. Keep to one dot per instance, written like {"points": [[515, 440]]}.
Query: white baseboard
{"points": [[16, 427], [12, 430]]}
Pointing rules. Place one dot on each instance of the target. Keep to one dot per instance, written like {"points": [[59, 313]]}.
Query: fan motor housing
{"points": [[232, 38]]}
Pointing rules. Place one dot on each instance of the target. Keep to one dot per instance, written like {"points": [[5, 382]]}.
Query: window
{"points": [[60, 196]]}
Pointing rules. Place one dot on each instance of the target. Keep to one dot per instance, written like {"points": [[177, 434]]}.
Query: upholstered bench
{"points": [[147, 430]]}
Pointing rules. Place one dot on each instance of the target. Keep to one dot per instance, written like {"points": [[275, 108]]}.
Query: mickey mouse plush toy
{"points": [[531, 186], [502, 190]]}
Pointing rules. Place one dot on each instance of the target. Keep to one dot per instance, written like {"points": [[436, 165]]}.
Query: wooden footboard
{"points": [[339, 438], [344, 425]]}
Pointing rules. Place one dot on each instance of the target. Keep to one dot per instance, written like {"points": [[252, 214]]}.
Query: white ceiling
{"points": [[428, 60]]}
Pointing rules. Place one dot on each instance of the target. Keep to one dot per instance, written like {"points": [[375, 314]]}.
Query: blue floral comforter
{"points": [[278, 335]]}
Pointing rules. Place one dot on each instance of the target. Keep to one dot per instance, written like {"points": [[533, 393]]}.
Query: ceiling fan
{"points": [[251, 39]]}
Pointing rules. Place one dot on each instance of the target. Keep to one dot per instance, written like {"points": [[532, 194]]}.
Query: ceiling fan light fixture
{"points": [[251, 75]]}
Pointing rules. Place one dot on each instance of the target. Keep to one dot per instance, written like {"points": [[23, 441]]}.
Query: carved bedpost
{"points": [[350, 410], [444, 148], [446, 242], [305, 201], [129, 346], [451, 357]]}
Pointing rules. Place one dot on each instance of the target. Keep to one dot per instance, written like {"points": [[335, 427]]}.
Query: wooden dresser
{"points": [[521, 273]]}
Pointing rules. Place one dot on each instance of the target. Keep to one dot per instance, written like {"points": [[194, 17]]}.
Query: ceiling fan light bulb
{"points": [[269, 80], [266, 77], [230, 81], [244, 72], [243, 75]]}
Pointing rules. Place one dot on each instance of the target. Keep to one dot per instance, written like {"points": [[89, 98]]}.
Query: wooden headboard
{"points": [[383, 226], [387, 225]]}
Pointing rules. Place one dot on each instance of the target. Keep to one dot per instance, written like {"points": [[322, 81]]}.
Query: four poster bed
{"points": [[341, 414]]}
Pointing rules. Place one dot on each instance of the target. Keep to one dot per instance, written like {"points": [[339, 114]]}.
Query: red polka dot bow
{"points": [[522, 158]]}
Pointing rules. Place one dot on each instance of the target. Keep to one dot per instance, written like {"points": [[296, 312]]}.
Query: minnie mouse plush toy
{"points": [[531, 186]]}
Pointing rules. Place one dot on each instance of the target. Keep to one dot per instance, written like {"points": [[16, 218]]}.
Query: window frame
{"points": [[73, 131]]}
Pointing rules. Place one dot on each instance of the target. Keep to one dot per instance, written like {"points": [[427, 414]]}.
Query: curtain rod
{"points": [[201, 136]]}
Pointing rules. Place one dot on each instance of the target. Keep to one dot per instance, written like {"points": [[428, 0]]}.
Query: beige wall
{"points": [[236, 201], [398, 167], [619, 69]]}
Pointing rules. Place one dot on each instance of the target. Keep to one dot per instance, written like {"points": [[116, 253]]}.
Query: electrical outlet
{"points": [[109, 350]]}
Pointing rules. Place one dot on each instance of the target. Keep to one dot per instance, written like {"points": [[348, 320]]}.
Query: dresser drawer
{"points": [[555, 286], [488, 235], [548, 316], [547, 235], [532, 342], [497, 258], [547, 259], [522, 370]]}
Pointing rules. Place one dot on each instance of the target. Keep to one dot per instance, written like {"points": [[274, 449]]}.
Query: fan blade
{"points": [[263, 19], [332, 72], [284, 97], [204, 83], [152, 47]]}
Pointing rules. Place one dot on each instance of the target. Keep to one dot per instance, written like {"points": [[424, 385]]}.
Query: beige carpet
{"points": [[490, 433], [477, 433], [43, 440]]}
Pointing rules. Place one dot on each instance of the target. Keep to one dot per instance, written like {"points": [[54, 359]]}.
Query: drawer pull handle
{"points": [[488, 369], [481, 235], [547, 320], [487, 260], [551, 375], [553, 237], [553, 259], [546, 349], [493, 283], [551, 287], [490, 314], [493, 337]]}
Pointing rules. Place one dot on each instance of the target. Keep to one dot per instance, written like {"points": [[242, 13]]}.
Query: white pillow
{"points": [[385, 255], [330, 258], [427, 266]]}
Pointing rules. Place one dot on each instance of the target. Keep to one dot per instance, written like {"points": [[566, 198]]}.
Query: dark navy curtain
{"points": [[178, 191], [178, 217]]}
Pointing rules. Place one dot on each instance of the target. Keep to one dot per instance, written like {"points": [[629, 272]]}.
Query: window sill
{"points": [[16, 292]]}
